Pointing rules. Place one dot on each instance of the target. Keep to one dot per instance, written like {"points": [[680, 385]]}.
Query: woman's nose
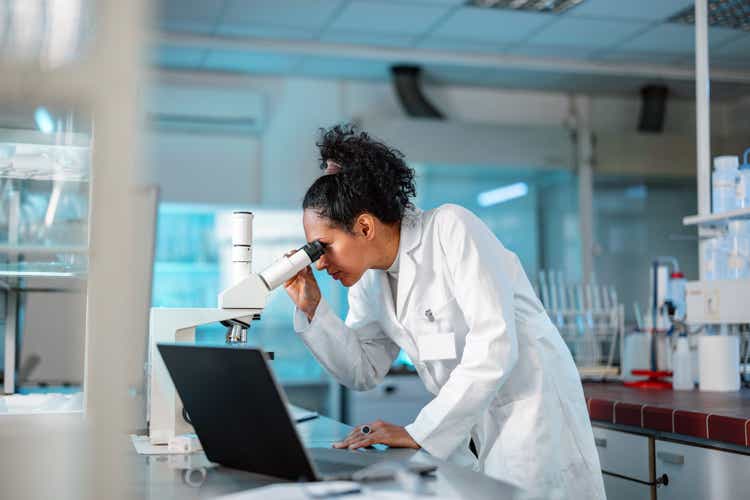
{"points": [[321, 263]]}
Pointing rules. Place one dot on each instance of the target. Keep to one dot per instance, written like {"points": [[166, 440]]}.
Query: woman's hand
{"points": [[304, 292], [381, 432]]}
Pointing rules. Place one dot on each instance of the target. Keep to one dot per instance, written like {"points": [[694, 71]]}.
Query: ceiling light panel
{"points": [[550, 6], [734, 14]]}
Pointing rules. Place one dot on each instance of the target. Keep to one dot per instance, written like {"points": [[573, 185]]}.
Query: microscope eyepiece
{"points": [[314, 250], [286, 267]]}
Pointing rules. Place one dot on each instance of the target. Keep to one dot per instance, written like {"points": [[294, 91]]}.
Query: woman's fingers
{"points": [[357, 435], [362, 443], [348, 439]]}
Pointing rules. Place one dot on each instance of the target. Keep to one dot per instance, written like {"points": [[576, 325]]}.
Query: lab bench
{"points": [[193, 476], [671, 444]]}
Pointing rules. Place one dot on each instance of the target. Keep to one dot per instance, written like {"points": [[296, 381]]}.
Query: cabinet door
{"points": [[699, 473], [623, 453], [618, 488]]}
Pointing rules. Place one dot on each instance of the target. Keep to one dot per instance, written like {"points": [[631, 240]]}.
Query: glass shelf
{"points": [[41, 249], [27, 154], [42, 270], [717, 219]]}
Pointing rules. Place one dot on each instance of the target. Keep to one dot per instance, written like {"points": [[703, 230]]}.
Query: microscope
{"points": [[238, 306]]}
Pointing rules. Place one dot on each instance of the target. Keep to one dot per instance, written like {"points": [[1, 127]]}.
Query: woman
{"points": [[440, 286]]}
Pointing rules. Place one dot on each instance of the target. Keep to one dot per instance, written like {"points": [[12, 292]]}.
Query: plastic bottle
{"points": [[715, 259], [682, 374], [724, 183], [738, 251], [742, 191]]}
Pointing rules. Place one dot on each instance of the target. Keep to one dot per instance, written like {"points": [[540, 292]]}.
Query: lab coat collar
{"points": [[411, 238]]}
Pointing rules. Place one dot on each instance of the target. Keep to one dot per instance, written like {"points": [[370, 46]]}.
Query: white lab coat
{"points": [[512, 385]]}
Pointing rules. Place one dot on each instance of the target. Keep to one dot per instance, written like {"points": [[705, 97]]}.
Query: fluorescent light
{"points": [[502, 194], [732, 14], [546, 6], [44, 120]]}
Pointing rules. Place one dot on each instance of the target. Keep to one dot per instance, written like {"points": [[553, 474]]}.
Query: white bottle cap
{"points": [[726, 162]]}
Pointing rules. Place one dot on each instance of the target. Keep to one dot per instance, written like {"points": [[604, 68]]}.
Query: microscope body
{"points": [[238, 305], [164, 408]]}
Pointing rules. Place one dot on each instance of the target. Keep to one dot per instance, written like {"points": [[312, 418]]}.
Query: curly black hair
{"points": [[373, 179]]}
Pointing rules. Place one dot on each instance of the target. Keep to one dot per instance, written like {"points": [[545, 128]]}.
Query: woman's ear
{"points": [[366, 226]]}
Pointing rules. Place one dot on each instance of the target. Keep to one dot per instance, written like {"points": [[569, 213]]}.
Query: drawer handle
{"points": [[600, 442], [670, 458], [390, 389]]}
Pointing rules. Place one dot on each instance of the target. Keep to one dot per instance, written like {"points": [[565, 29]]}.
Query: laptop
{"points": [[242, 418]]}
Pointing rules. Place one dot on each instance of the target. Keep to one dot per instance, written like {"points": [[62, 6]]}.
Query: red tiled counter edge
{"points": [[701, 425]]}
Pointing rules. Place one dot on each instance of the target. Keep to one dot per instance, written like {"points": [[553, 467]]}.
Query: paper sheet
{"points": [[302, 491]]}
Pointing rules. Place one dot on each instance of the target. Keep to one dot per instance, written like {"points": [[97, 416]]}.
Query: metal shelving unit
{"points": [[717, 220]]}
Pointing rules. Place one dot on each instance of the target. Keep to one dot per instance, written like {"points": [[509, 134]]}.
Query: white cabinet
{"points": [[397, 400], [698, 473], [618, 488], [626, 463]]}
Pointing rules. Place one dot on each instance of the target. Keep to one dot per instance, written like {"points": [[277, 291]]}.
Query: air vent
{"points": [[733, 14], [545, 6]]}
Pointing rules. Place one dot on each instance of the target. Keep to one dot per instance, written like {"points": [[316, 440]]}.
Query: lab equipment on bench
{"points": [[724, 184], [242, 419], [589, 318], [742, 191], [238, 306], [719, 357], [666, 298]]}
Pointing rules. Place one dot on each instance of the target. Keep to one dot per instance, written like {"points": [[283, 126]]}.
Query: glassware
{"points": [[724, 180], [715, 259], [738, 251]]}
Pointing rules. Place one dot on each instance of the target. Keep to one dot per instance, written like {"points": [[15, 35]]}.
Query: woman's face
{"points": [[346, 255]]}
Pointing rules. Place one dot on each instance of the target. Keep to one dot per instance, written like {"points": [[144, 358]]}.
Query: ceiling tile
{"points": [[674, 38], [450, 45], [424, 2], [306, 14], [402, 18], [176, 57], [195, 16], [594, 33], [645, 10], [372, 39], [354, 69], [247, 62], [739, 46], [491, 25]]}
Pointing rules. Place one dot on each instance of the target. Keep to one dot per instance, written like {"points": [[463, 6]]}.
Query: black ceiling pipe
{"points": [[407, 85]]}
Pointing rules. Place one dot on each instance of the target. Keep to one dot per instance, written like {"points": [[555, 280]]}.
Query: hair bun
{"points": [[372, 177]]}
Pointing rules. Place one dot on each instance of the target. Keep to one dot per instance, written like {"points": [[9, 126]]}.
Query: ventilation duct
{"points": [[406, 81]]}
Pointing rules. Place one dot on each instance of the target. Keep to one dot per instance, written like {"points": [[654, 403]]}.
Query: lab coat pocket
{"points": [[436, 338], [436, 346]]}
